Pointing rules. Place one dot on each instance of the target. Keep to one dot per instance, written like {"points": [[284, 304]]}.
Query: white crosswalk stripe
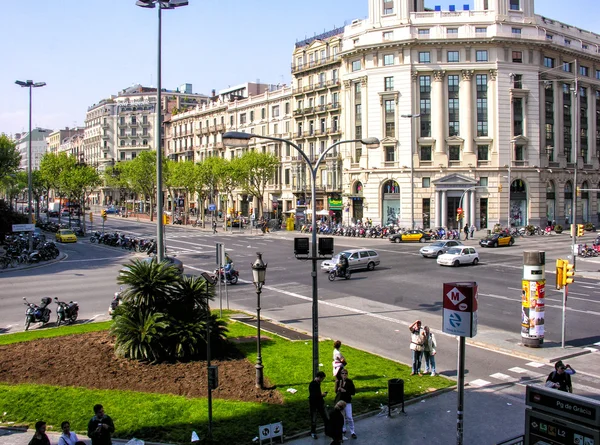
{"points": [[479, 383], [535, 364]]}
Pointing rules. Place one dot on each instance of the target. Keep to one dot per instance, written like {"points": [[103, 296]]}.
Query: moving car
{"points": [[357, 259], [459, 255], [497, 239], [111, 210], [66, 236], [439, 247], [410, 235]]}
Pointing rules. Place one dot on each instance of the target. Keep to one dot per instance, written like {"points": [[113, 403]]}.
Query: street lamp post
{"points": [[162, 4], [30, 84], [412, 169], [259, 273], [240, 139], [210, 281]]}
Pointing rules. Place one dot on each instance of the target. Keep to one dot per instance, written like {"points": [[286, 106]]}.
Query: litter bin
{"points": [[395, 394]]}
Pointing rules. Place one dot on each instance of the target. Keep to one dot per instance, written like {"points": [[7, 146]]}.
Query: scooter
{"points": [[66, 313], [37, 314], [334, 273], [114, 304], [232, 275]]}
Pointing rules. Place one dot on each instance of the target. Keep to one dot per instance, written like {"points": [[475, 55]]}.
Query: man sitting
{"points": [[342, 266]]}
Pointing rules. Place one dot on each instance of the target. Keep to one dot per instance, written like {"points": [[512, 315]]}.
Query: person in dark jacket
{"points": [[560, 378], [316, 402], [100, 427], [344, 390], [335, 426], [40, 437]]}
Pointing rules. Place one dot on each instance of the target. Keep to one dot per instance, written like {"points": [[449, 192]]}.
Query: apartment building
{"points": [[56, 138], [39, 145], [488, 110]]}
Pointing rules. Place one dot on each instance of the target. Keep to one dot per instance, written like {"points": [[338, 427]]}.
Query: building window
{"points": [[390, 118], [453, 106], [482, 105], [517, 116], [481, 31], [425, 105], [275, 111], [388, 59], [134, 131], [388, 7], [567, 42], [145, 142], [567, 67], [483, 153], [454, 153], [122, 120], [598, 74], [516, 31], [426, 183], [230, 121], [517, 81], [424, 57], [388, 35], [548, 62], [133, 120], [549, 36], [453, 56], [425, 151], [122, 155], [515, 5], [483, 182], [424, 32], [287, 109], [133, 143], [451, 31], [517, 56], [122, 143], [481, 55], [263, 113], [390, 153], [144, 119], [356, 65], [519, 153], [122, 132], [388, 83], [243, 118], [584, 71], [252, 116]]}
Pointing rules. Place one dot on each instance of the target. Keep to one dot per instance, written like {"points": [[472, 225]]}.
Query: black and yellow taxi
{"points": [[497, 240], [410, 236]]}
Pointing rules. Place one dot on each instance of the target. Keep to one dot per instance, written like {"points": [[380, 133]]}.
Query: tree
{"points": [[10, 158], [114, 178], [228, 176], [51, 171], [140, 176], [256, 170], [182, 176], [79, 182]]}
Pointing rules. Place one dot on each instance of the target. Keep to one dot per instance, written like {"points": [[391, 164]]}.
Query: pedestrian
{"points": [[429, 351], [472, 230], [68, 437], [560, 378], [214, 226], [466, 230], [416, 346], [100, 427], [344, 390], [40, 437], [339, 361], [335, 426], [316, 403]]}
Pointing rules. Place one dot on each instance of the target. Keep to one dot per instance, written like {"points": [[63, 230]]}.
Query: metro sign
{"points": [[455, 296], [460, 309]]}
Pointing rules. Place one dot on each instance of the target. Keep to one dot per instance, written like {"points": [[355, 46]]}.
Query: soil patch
{"points": [[88, 360]]}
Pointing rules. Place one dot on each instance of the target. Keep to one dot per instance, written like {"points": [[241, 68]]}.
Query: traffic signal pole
{"points": [[564, 316]]}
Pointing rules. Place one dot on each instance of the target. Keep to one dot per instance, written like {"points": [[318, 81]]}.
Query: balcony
{"points": [[334, 106], [320, 86], [133, 124], [334, 130], [105, 125], [204, 130], [221, 127], [145, 124], [105, 137], [298, 111], [219, 145], [212, 128], [321, 108], [333, 83], [332, 188], [303, 66]]}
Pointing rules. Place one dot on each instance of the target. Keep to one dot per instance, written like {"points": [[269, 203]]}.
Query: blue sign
{"points": [[212, 207]]}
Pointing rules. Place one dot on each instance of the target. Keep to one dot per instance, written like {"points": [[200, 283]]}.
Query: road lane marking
{"points": [[479, 383], [535, 364], [518, 370], [501, 376], [96, 259]]}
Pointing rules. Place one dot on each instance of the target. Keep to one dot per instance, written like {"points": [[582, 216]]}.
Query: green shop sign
{"points": [[335, 204]]}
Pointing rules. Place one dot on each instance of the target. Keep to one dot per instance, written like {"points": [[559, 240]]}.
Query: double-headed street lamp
{"points": [[162, 4], [259, 273], [30, 84], [240, 139]]}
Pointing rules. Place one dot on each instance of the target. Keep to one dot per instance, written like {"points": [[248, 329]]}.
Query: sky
{"points": [[86, 50]]}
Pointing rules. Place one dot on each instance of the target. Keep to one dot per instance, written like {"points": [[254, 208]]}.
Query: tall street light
{"points": [[30, 84], [412, 169], [259, 273], [162, 4], [240, 139]]}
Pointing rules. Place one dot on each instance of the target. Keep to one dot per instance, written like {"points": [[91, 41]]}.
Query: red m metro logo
{"points": [[455, 296]]}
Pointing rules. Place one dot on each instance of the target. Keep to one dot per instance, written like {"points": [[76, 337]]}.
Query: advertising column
{"points": [[533, 293]]}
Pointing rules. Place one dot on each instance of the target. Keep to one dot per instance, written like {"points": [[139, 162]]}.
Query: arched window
{"points": [[568, 195], [358, 188], [518, 203], [134, 143], [122, 143], [390, 199], [145, 142], [550, 202]]}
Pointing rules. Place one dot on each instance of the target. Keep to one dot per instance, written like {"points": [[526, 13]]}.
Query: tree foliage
{"points": [[256, 170], [140, 176], [10, 158]]}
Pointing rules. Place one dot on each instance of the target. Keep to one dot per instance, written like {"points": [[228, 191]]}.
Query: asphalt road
{"points": [[371, 311]]}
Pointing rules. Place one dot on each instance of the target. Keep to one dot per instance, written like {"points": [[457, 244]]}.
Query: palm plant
{"points": [[138, 333]]}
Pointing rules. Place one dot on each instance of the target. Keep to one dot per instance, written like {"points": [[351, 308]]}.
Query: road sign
{"points": [[23, 227], [460, 309], [212, 207]]}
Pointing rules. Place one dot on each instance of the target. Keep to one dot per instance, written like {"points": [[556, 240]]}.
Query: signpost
{"points": [[23, 227], [460, 319]]}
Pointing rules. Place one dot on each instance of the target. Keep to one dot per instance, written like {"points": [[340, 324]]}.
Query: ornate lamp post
{"points": [[259, 273]]}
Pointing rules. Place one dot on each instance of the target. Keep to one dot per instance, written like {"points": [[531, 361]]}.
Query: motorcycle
{"points": [[37, 314], [335, 273], [231, 276], [66, 313], [114, 304]]}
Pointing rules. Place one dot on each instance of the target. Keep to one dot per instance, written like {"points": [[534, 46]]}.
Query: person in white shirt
{"points": [[68, 437]]}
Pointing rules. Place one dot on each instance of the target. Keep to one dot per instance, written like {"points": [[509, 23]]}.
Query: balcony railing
{"points": [[145, 124], [314, 63], [221, 127], [212, 128]]}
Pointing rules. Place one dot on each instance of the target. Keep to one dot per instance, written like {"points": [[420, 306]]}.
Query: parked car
{"points": [[410, 235], [357, 259], [459, 255], [65, 213], [111, 210], [438, 248], [66, 236], [497, 239]]}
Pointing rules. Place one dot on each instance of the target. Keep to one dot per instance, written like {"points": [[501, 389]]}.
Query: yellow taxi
{"points": [[66, 236], [497, 239], [410, 235]]}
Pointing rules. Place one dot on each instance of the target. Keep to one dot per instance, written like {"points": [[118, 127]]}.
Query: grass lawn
{"points": [[170, 418]]}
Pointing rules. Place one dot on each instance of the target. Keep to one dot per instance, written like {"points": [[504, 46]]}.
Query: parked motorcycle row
{"points": [[66, 313], [17, 251], [54, 227], [123, 241]]}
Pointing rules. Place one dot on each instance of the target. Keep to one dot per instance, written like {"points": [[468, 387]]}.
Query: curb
{"points": [[61, 256], [525, 355]]}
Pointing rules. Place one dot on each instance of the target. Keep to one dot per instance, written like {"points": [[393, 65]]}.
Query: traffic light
{"points": [[32, 219], [91, 217], [568, 273], [578, 189], [103, 215], [560, 264], [579, 229], [459, 214], [499, 188], [166, 219]]}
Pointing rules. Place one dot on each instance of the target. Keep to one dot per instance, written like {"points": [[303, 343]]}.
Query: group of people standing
{"points": [[339, 420], [422, 346], [100, 430]]}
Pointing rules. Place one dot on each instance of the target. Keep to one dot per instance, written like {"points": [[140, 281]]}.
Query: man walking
{"points": [[100, 427], [466, 230], [316, 402], [214, 227]]}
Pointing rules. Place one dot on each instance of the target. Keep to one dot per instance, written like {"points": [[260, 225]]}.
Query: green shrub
{"points": [[558, 228]]}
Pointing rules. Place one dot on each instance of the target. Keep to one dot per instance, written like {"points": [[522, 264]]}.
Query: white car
{"points": [[459, 255]]}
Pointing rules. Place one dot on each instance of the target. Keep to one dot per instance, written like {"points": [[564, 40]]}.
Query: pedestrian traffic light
{"points": [[568, 273], [579, 229], [499, 188], [104, 215], [559, 273]]}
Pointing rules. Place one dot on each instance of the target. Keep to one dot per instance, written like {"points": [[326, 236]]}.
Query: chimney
{"points": [[214, 92]]}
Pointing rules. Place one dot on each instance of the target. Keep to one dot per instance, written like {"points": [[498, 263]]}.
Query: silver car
{"points": [[357, 259], [438, 247]]}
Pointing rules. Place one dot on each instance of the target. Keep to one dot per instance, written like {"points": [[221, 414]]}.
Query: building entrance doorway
{"points": [[451, 222]]}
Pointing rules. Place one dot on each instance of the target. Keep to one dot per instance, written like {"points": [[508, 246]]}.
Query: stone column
{"points": [[444, 208], [438, 127], [436, 211], [467, 107], [473, 207]]}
